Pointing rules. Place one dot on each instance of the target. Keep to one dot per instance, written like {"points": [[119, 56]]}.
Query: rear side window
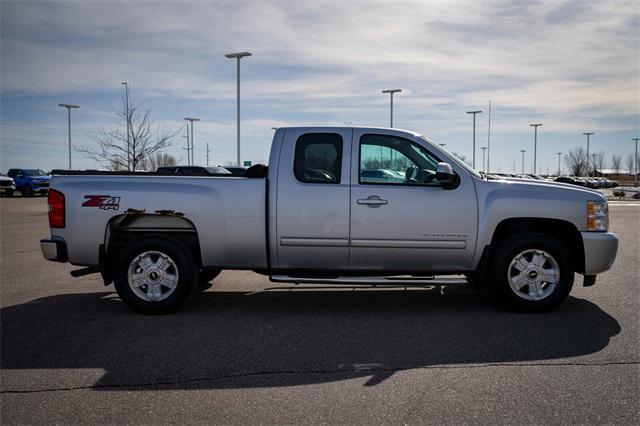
{"points": [[318, 158]]}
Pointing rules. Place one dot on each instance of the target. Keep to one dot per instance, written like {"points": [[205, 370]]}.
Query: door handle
{"points": [[372, 201]]}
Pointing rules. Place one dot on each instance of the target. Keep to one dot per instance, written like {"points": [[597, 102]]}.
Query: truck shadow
{"points": [[284, 338]]}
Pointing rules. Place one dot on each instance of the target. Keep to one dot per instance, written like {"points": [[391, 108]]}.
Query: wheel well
{"points": [[564, 231], [123, 229]]}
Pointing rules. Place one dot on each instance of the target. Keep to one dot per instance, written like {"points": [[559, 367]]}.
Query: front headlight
{"points": [[597, 216]]}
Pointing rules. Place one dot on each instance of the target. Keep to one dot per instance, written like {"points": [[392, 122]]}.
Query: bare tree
{"points": [[115, 166], [159, 159], [629, 162], [616, 161], [601, 162], [126, 145], [576, 161]]}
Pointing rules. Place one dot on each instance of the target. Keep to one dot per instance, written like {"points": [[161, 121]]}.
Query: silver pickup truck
{"points": [[339, 205]]}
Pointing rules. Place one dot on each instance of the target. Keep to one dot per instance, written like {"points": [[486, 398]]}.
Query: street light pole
{"points": [[126, 107], [523, 151], [535, 145], [489, 140], [588, 134], [484, 149], [187, 148], [474, 135], [593, 163], [238, 56], [391, 92], [69, 107], [636, 168], [559, 171], [192, 147]]}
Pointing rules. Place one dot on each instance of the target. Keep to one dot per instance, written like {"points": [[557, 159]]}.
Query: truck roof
{"points": [[391, 129]]}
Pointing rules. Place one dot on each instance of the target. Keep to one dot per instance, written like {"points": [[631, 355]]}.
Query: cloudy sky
{"points": [[572, 65]]}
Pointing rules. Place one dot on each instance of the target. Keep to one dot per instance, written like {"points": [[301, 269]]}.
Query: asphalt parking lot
{"points": [[71, 352]]}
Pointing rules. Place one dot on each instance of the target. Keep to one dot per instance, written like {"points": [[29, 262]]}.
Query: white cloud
{"points": [[327, 61]]}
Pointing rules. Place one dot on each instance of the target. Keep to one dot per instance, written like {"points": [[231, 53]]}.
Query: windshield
{"points": [[35, 172], [455, 159]]}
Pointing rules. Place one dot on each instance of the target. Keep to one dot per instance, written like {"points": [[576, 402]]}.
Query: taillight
{"points": [[56, 209]]}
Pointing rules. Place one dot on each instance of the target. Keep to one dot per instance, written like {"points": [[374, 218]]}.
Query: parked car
{"points": [[574, 180], [592, 182], [237, 170], [193, 170], [381, 176], [627, 192], [314, 217], [607, 183], [566, 179], [30, 181], [7, 186]]}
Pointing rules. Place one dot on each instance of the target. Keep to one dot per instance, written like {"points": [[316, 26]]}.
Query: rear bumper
{"points": [[600, 249], [54, 249]]}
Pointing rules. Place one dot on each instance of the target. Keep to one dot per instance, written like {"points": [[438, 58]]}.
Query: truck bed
{"points": [[228, 213]]}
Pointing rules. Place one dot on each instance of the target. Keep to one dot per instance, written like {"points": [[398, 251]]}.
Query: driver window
{"points": [[392, 160]]}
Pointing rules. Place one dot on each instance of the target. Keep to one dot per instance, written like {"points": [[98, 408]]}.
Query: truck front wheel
{"points": [[531, 272], [155, 275]]}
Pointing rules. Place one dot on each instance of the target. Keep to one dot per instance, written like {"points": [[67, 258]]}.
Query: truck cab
{"points": [[333, 213]]}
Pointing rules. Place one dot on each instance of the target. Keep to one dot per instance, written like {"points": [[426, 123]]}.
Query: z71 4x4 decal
{"points": [[104, 202]]}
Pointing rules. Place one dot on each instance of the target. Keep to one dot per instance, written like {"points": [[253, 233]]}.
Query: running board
{"points": [[371, 281]]}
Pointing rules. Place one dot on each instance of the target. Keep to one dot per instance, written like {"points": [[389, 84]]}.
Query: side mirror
{"points": [[445, 175]]}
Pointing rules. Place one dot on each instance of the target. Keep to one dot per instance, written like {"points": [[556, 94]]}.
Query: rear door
{"points": [[406, 221], [312, 217]]}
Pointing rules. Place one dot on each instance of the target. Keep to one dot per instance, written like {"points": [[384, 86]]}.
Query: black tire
{"points": [[187, 273], [207, 275], [27, 191], [9, 194], [506, 252]]}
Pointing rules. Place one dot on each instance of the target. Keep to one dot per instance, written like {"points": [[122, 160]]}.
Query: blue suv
{"points": [[30, 181]]}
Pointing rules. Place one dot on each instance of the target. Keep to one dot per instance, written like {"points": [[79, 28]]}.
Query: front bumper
{"points": [[54, 249], [600, 249]]}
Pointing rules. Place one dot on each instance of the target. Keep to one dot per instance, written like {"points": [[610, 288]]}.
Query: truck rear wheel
{"points": [[531, 272], [155, 275]]}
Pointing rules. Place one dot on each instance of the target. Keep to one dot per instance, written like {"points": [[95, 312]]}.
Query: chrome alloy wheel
{"points": [[533, 274], [152, 276]]}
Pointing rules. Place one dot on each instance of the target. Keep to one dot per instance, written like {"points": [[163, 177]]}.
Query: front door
{"points": [[402, 220]]}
